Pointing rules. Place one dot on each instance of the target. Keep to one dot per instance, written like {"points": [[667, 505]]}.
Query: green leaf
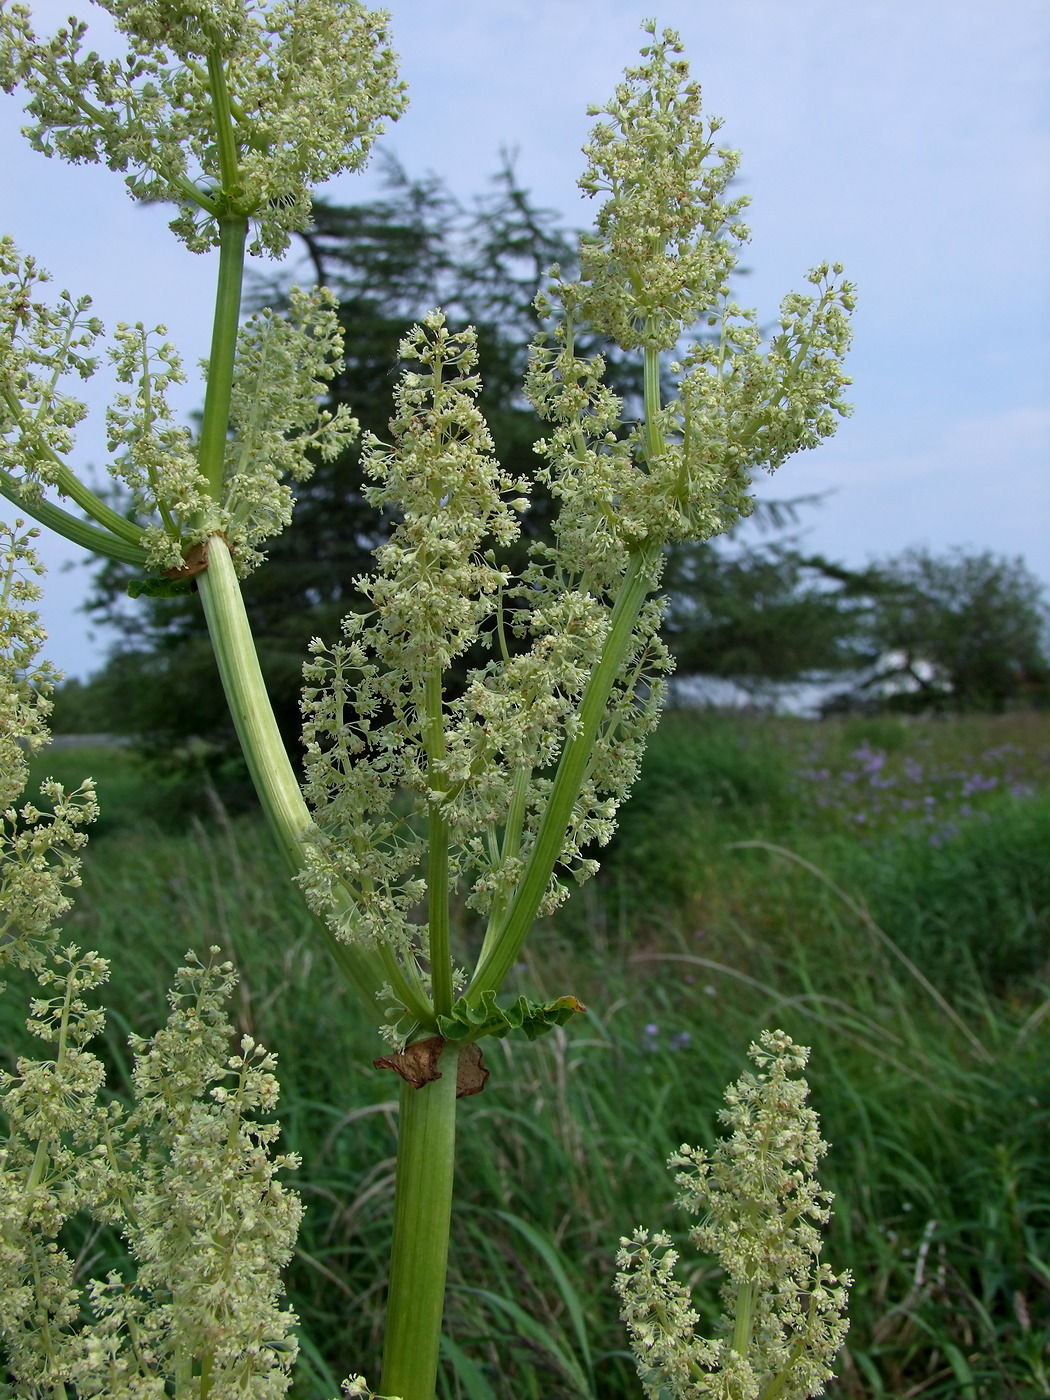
{"points": [[159, 587], [469, 1023], [540, 1336], [961, 1370]]}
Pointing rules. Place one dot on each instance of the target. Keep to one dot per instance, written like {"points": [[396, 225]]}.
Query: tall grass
{"points": [[913, 969]]}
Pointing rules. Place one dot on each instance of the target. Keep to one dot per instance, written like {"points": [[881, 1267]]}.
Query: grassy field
{"points": [[880, 889]]}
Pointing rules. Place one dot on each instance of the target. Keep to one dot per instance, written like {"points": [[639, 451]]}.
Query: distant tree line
{"points": [[918, 632]]}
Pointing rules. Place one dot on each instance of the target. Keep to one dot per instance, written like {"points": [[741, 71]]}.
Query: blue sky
{"points": [[906, 138]]}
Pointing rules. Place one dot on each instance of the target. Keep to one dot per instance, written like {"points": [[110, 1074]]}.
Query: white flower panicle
{"points": [[40, 346], [665, 240], [386, 747], [48, 1169], [222, 107], [387, 753], [434, 589], [283, 367], [660, 263], [212, 1225], [38, 845], [189, 1179], [26, 681], [154, 456], [760, 1203], [374, 725]]}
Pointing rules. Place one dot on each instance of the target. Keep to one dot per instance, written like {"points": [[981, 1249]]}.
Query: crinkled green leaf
{"points": [[487, 1018]]}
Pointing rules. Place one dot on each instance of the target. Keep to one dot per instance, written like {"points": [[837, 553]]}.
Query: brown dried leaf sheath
{"points": [[417, 1065], [195, 562]]}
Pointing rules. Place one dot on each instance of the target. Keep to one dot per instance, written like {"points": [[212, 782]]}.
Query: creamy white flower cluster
{"points": [[40, 347], [283, 366], [220, 106], [760, 1203], [660, 263], [665, 240], [188, 1178], [385, 746], [38, 845]]}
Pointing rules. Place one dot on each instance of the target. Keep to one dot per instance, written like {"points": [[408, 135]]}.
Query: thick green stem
{"points": [[233, 232], [508, 851], [264, 751], [183, 1374], [222, 113], [499, 953], [743, 1318], [438, 932], [70, 485], [242, 680], [654, 443], [422, 1212], [568, 780]]}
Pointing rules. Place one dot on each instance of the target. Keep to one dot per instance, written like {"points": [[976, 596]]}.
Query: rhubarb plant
{"points": [[421, 797]]}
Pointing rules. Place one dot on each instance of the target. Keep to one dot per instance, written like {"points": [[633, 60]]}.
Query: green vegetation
{"points": [[470, 735], [685, 948]]}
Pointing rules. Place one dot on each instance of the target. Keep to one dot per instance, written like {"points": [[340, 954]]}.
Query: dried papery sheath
{"points": [[760, 1202]]}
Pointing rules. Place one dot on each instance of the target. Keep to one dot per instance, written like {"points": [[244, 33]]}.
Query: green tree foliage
{"points": [[958, 631], [765, 615]]}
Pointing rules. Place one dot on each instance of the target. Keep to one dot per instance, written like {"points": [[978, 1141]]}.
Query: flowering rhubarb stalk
{"points": [[496, 792]]}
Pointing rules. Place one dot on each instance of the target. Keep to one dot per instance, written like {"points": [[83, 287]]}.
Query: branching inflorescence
{"points": [[187, 1176], [526, 767], [760, 1205], [231, 111], [492, 790], [225, 107]]}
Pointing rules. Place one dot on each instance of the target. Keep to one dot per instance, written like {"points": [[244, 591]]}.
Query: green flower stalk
{"points": [[760, 1205]]}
